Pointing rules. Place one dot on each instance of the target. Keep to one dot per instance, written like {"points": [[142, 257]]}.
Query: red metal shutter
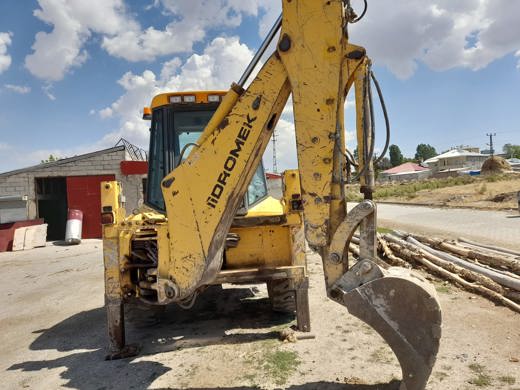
{"points": [[84, 193]]}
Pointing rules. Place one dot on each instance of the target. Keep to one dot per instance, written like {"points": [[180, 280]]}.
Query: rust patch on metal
{"points": [[256, 103], [356, 54], [168, 182], [223, 124], [285, 43]]}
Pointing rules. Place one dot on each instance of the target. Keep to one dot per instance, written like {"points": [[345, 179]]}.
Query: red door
{"points": [[84, 193]]}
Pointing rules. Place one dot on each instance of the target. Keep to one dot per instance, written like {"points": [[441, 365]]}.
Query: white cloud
{"points": [[5, 58], [443, 34], [271, 10], [217, 67], [74, 21], [47, 91], [21, 89], [191, 20]]}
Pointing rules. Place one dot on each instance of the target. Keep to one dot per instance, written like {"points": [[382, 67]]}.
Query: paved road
{"points": [[492, 227]]}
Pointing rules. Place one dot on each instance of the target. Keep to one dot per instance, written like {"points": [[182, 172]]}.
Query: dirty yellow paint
{"points": [[199, 209], [261, 246], [268, 207], [314, 65]]}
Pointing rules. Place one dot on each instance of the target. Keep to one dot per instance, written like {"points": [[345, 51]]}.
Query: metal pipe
{"points": [[260, 51]]}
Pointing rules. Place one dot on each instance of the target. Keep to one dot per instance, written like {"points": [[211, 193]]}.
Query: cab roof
{"points": [[200, 97]]}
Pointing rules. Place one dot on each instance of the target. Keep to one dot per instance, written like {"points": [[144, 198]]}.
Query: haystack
{"points": [[494, 165]]}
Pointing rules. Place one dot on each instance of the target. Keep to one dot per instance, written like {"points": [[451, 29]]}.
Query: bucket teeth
{"points": [[403, 308]]}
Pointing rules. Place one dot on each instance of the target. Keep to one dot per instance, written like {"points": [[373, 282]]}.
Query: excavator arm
{"points": [[316, 64]]}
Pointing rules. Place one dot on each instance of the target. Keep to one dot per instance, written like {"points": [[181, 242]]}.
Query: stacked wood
{"points": [[490, 247], [491, 272], [486, 258]]}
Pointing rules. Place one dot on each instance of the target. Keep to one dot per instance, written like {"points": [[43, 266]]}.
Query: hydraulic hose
{"points": [[385, 114], [368, 93]]}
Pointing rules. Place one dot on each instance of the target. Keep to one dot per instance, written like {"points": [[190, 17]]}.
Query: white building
{"points": [[456, 160]]}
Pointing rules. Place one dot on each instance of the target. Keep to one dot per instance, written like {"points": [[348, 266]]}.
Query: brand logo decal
{"points": [[230, 162]]}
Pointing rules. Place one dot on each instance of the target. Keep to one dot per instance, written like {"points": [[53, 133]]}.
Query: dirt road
{"points": [[53, 336], [492, 227]]}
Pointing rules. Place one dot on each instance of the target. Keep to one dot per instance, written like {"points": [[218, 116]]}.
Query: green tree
{"points": [[396, 157], [50, 159], [511, 151], [424, 152], [384, 164]]}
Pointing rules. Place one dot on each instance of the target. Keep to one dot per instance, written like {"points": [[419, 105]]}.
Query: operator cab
{"points": [[178, 120]]}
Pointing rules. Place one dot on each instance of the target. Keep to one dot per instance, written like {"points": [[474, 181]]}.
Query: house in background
{"points": [[406, 171], [274, 184], [47, 190], [456, 160], [515, 164]]}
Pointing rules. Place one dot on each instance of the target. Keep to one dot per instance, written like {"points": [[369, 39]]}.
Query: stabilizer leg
{"points": [[303, 317], [116, 333], [114, 304]]}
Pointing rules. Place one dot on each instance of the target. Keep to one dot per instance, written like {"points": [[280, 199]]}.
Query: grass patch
{"points": [[440, 375], [409, 190], [475, 367], [353, 196], [482, 379], [267, 359], [493, 178], [383, 230], [250, 378], [507, 379], [380, 355], [444, 289], [280, 365]]}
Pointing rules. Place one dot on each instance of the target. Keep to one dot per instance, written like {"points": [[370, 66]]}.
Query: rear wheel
{"points": [[282, 295]]}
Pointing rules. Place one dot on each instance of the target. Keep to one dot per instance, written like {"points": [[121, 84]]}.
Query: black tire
{"points": [[282, 295]]}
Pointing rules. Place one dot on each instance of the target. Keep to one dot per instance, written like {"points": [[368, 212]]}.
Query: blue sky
{"points": [[74, 74]]}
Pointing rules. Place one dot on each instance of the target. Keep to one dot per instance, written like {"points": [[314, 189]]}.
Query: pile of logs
{"points": [[490, 271]]}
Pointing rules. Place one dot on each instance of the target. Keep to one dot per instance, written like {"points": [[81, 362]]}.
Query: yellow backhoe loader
{"points": [[208, 219]]}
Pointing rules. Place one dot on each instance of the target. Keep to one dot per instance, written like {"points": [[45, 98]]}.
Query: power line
{"points": [[275, 164], [491, 135]]}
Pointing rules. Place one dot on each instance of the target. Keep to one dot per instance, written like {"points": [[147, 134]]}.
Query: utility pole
{"points": [[491, 135], [275, 164]]}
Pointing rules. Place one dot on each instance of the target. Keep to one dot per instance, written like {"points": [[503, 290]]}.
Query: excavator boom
{"points": [[317, 65]]}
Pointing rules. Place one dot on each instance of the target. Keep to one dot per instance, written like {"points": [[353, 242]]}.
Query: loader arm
{"points": [[314, 62]]}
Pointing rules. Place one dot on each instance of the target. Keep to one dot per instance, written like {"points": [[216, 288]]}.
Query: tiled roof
{"points": [[405, 168]]}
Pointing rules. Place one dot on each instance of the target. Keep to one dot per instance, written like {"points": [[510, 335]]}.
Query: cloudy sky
{"points": [[75, 74]]}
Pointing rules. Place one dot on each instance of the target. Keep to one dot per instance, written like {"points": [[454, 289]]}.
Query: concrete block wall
{"points": [[23, 183], [132, 190]]}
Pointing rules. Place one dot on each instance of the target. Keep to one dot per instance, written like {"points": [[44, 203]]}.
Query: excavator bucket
{"points": [[403, 308]]}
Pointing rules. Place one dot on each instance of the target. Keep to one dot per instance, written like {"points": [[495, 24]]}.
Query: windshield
{"points": [[257, 189], [172, 129]]}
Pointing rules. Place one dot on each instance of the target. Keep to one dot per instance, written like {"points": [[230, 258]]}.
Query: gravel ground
{"points": [[53, 336]]}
